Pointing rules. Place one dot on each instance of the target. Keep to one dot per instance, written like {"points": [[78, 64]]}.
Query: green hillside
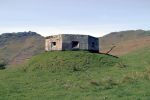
{"points": [[139, 59], [78, 75], [53, 75]]}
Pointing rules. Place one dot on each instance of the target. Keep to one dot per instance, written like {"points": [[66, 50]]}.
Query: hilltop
{"points": [[15, 48], [125, 41], [69, 60]]}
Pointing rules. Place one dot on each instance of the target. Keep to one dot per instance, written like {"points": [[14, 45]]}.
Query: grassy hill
{"points": [[58, 75], [15, 48], [125, 41], [79, 75]]}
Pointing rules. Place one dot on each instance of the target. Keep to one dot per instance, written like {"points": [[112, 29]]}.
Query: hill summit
{"points": [[70, 60]]}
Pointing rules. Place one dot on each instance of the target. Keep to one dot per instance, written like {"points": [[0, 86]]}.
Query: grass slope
{"points": [[78, 75]]}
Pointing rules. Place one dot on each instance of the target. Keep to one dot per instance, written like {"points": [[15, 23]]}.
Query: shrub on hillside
{"points": [[2, 64]]}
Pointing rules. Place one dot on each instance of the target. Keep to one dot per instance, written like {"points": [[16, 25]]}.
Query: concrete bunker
{"points": [[71, 42]]}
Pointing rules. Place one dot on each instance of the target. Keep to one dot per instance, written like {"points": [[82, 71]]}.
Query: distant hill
{"points": [[125, 41], [16, 48]]}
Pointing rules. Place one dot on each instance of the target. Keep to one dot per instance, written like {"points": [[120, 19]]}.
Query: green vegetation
{"points": [[78, 75], [2, 64]]}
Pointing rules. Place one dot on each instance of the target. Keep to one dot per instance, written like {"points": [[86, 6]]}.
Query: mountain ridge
{"points": [[125, 41], [12, 45]]}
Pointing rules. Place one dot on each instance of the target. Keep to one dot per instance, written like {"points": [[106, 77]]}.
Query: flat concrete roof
{"points": [[69, 35]]}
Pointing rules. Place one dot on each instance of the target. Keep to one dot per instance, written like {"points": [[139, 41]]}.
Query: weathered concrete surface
{"points": [[71, 42], [93, 43], [81, 39], [51, 39]]}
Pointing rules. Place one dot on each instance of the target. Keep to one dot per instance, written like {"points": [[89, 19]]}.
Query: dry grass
{"points": [[128, 46]]}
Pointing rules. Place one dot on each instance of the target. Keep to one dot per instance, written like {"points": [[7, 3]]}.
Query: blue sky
{"points": [[93, 17]]}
